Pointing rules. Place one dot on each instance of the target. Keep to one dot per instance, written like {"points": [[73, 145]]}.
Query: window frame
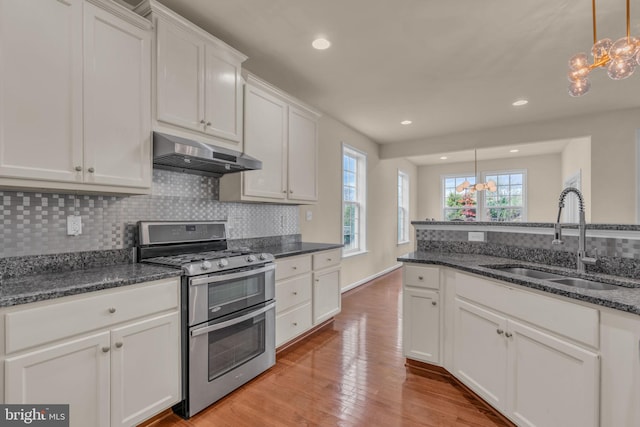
{"points": [[404, 204], [443, 206], [360, 202], [525, 192]]}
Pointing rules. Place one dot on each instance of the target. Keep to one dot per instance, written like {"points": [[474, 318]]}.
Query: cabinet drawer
{"points": [[326, 259], [290, 267], [39, 325], [292, 292], [293, 323], [562, 317], [421, 277]]}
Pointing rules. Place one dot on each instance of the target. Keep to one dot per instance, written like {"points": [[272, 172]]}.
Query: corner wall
{"points": [[382, 247]]}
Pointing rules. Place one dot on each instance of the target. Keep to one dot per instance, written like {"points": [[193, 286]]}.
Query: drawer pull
{"points": [[105, 349], [499, 331], [420, 278], [295, 293], [434, 303], [295, 323], [119, 344], [112, 310], [294, 267], [329, 259], [508, 334]]}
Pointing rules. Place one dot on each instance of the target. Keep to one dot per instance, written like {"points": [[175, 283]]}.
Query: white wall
{"points": [[613, 154], [381, 202], [576, 157], [544, 183]]}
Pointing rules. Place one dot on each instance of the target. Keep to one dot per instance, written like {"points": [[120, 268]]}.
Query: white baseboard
{"points": [[370, 278]]}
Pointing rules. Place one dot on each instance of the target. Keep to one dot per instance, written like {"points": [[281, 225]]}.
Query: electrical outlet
{"points": [[74, 225], [309, 215], [476, 236]]}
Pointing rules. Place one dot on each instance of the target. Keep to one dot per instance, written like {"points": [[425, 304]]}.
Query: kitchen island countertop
{"points": [[625, 298]]}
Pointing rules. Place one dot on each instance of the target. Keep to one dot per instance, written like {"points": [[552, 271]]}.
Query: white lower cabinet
{"points": [[326, 295], [535, 376], [119, 375], [421, 333]]}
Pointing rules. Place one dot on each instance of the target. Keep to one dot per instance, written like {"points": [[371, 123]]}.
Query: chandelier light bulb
{"points": [[459, 188], [579, 87], [638, 57], [601, 48], [579, 61], [621, 68], [579, 74], [624, 48]]}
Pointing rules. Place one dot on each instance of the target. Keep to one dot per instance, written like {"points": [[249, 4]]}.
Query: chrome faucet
{"points": [[581, 257]]}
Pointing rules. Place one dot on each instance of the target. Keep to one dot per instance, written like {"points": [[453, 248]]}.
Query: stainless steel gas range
{"points": [[228, 307]]}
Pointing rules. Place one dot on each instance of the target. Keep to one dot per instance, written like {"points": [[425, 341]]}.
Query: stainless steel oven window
{"points": [[235, 345], [235, 291]]}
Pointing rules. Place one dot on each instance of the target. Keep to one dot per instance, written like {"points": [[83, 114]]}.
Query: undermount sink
{"points": [[529, 272], [557, 278]]}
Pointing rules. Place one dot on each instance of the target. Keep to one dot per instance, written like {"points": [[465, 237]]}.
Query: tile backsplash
{"points": [[34, 223]]}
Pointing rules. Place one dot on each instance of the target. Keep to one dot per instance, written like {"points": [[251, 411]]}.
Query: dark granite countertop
{"points": [[44, 286], [625, 298], [298, 248], [471, 224]]}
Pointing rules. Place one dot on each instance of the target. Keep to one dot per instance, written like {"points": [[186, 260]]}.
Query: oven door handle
{"points": [[232, 322], [213, 279]]}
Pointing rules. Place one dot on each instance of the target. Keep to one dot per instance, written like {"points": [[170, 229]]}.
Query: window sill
{"points": [[404, 243], [352, 254]]}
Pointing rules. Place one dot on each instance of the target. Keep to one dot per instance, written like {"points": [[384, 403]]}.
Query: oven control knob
{"points": [[251, 258], [263, 257], [223, 263], [205, 265]]}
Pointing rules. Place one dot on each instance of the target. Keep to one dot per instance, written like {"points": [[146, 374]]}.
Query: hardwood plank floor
{"points": [[352, 374]]}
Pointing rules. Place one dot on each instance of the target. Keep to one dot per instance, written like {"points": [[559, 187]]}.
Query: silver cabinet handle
{"points": [[208, 123], [295, 293], [78, 168], [231, 276], [202, 122], [222, 325], [91, 170], [295, 323], [328, 259], [291, 191], [119, 344], [420, 278], [294, 267], [105, 349], [508, 334], [434, 303], [499, 331], [112, 310]]}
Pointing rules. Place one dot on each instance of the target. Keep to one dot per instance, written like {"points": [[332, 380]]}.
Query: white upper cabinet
{"points": [[198, 84], [74, 96], [117, 94], [41, 89], [284, 136]]}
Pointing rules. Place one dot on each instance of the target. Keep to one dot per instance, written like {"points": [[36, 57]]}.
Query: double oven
{"points": [[228, 308]]}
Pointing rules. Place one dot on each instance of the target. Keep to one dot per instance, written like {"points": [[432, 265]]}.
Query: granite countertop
{"points": [[625, 298], [298, 248], [40, 287]]}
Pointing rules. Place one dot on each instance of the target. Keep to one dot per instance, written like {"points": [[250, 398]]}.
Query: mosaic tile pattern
{"points": [[35, 223]]}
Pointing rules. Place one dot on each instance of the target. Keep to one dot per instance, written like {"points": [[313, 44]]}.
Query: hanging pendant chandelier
{"points": [[466, 185], [620, 58]]}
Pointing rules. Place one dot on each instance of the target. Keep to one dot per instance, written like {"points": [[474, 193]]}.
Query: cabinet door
{"points": [[551, 382], [145, 365], [179, 77], [480, 352], [74, 372], [223, 95], [41, 89], [117, 100], [265, 139], [421, 325], [303, 154], [327, 298]]}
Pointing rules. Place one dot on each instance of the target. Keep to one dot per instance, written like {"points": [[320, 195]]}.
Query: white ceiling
{"points": [[449, 66]]}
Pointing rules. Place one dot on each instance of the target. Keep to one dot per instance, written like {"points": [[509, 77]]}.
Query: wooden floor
{"points": [[352, 374]]}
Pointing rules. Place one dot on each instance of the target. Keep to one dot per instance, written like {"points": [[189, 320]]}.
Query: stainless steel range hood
{"points": [[188, 156]]}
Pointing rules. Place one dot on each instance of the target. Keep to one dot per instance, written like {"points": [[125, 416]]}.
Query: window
{"points": [[354, 190], [506, 204], [458, 206], [403, 207]]}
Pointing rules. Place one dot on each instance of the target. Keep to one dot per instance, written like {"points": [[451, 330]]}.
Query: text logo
{"points": [[34, 415]]}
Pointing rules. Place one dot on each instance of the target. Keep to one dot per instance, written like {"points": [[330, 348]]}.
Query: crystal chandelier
{"points": [[620, 58], [466, 185]]}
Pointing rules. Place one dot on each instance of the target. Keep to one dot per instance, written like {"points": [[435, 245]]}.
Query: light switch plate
{"points": [[74, 225], [476, 236], [309, 215]]}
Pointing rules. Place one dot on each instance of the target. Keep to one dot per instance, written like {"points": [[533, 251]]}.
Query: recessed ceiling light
{"points": [[321, 44], [443, 158], [513, 151], [406, 122], [520, 102]]}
